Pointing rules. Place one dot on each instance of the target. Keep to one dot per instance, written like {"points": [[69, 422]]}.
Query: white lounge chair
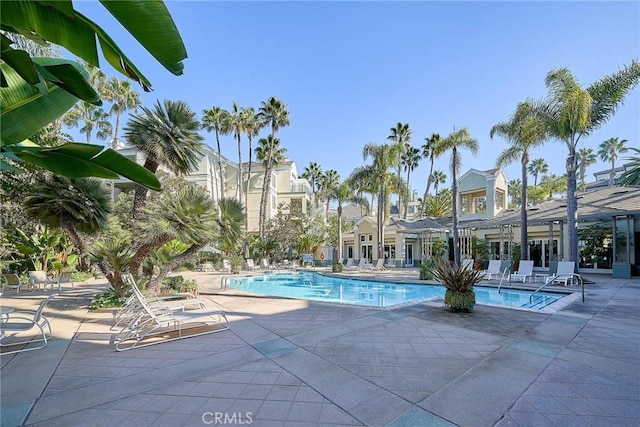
{"points": [[62, 277], [158, 325], [264, 262], [349, 264], [23, 321], [525, 270], [11, 280], [251, 265], [226, 265], [493, 269], [362, 264], [379, 266], [565, 274], [467, 263]]}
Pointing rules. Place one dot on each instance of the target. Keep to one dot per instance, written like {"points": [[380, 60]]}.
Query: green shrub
{"points": [[81, 276], [108, 299], [179, 284], [459, 282], [425, 269], [336, 267]]}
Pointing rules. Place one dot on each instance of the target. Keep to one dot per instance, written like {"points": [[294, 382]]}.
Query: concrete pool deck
{"points": [[300, 363]]}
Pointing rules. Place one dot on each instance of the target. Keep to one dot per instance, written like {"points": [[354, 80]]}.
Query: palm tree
{"points": [[124, 98], [553, 184], [313, 174], [230, 220], [439, 206], [342, 193], [364, 182], [401, 136], [270, 153], [438, 177], [91, 117], [608, 152], [75, 205], [632, 175], [410, 159], [168, 135], [328, 181], [236, 126], [515, 191], [217, 119], [524, 130], [459, 138], [384, 157], [573, 112], [252, 123], [585, 158], [430, 150], [274, 113], [538, 167]]}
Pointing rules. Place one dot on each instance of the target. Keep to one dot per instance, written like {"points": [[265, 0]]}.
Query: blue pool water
{"points": [[317, 287]]}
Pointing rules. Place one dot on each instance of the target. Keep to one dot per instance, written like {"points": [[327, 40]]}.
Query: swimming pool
{"points": [[341, 290]]}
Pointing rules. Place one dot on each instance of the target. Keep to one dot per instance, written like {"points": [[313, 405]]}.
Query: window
{"points": [[500, 200], [370, 237], [475, 202], [362, 237], [349, 251]]}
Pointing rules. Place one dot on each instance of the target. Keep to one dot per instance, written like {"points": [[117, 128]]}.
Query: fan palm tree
{"points": [[573, 112], [457, 139], [168, 135], [538, 167], [236, 126], [401, 136], [229, 232], [313, 174], [585, 157], [330, 179], [430, 150], [73, 204], [524, 130], [410, 159], [252, 123], [343, 193], [270, 153], [608, 152], [438, 177], [384, 157], [124, 98], [91, 118], [632, 175], [217, 119], [274, 113]]}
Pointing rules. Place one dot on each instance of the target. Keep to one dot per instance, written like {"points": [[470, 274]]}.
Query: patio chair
{"points": [[10, 280], [39, 278], [565, 274], [23, 321], [379, 266], [349, 264], [226, 265], [159, 325], [131, 308], [525, 270], [362, 264], [251, 265], [493, 269], [467, 263], [63, 277]]}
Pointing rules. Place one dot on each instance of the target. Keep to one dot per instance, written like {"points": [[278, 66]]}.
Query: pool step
{"points": [[540, 301]]}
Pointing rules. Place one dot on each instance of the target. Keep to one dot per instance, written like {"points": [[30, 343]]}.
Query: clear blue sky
{"points": [[349, 71]]}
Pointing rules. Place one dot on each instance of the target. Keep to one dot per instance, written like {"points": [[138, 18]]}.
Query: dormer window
{"points": [[474, 202]]}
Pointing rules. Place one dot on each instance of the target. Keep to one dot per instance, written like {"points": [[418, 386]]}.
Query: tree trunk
{"points": [[246, 191], [426, 191], [454, 191], [140, 196], [572, 204], [156, 281], [240, 177], [263, 202], [523, 209], [339, 231], [144, 250], [220, 165]]}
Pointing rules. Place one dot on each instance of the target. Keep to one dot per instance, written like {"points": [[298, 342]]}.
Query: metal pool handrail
{"points": [[580, 279], [506, 269]]}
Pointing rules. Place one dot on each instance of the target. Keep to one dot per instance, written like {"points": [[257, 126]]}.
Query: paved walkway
{"points": [[298, 363]]}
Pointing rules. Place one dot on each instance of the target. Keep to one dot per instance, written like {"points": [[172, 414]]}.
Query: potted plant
{"points": [[336, 267], [480, 253], [236, 261], [459, 282], [426, 269]]}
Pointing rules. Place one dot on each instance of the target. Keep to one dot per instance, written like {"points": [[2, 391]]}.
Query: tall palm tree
{"points": [[252, 123], [343, 193], [410, 159], [438, 177], [608, 152], [439, 205], [313, 174], [236, 126], [124, 98], [364, 182], [573, 112], [328, 181], [585, 157], [274, 113], [270, 153], [217, 119], [168, 135], [384, 157], [91, 118], [515, 191], [457, 139], [401, 136], [538, 167], [75, 205], [430, 150], [524, 130]]}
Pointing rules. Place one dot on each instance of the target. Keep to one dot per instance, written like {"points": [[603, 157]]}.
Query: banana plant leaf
{"points": [[77, 160]]}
